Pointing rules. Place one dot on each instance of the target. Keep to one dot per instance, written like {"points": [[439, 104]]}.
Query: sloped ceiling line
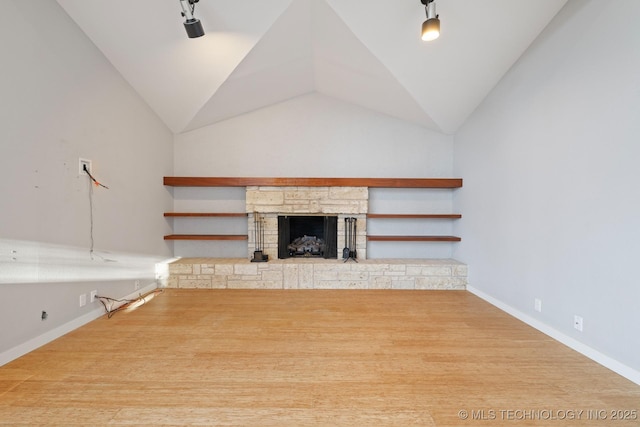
{"points": [[310, 48], [366, 52]]}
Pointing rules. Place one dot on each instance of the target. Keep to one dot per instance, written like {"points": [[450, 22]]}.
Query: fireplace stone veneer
{"points": [[300, 273], [270, 202]]}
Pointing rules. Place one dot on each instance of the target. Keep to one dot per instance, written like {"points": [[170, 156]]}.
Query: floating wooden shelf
{"points": [[415, 216], [204, 214], [436, 183], [205, 237], [413, 238], [186, 181]]}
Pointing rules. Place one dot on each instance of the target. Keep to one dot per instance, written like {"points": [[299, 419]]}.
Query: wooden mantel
{"points": [[185, 181]]}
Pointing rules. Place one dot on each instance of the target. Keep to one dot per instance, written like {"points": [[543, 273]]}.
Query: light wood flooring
{"points": [[312, 358]]}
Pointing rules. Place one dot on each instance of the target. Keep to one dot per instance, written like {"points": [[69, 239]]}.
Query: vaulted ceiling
{"points": [[367, 52]]}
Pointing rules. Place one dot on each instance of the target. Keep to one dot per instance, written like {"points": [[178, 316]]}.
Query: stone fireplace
{"points": [[338, 203], [268, 203]]}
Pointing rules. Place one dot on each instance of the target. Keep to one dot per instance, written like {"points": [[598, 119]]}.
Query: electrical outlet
{"points": [[577, 322], [92, 296], [82, 163], [83, 300], [537, 305], [136, 285]]}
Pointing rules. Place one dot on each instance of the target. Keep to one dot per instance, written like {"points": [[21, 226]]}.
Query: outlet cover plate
{"points": [[578, 322], [537, 305], [81, 163]]}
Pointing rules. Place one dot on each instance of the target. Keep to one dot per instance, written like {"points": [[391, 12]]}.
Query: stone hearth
{"points": [[295, 273]]}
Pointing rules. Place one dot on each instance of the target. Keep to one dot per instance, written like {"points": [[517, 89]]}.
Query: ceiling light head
{"points": [[430, 27], [194, 28], [191, 24]]}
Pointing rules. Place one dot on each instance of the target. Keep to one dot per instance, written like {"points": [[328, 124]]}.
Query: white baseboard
{"points": [[606, 361], [47, 337]]}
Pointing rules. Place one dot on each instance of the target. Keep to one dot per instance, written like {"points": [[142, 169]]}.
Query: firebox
{"points": [[307, 236]]}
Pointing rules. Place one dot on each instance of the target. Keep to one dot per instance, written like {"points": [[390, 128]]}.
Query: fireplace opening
{"points": [[307, 236]]}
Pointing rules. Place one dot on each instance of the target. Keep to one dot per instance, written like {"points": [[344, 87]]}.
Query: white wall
{"points": [[551, 200], [314, 136], [62, 100]]}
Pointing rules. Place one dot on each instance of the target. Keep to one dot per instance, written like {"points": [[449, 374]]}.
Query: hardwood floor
{"points": [[312, 358]]}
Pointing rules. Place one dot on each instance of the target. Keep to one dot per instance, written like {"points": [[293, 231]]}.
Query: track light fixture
{"points": [[430, 27], [191, 24]]}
